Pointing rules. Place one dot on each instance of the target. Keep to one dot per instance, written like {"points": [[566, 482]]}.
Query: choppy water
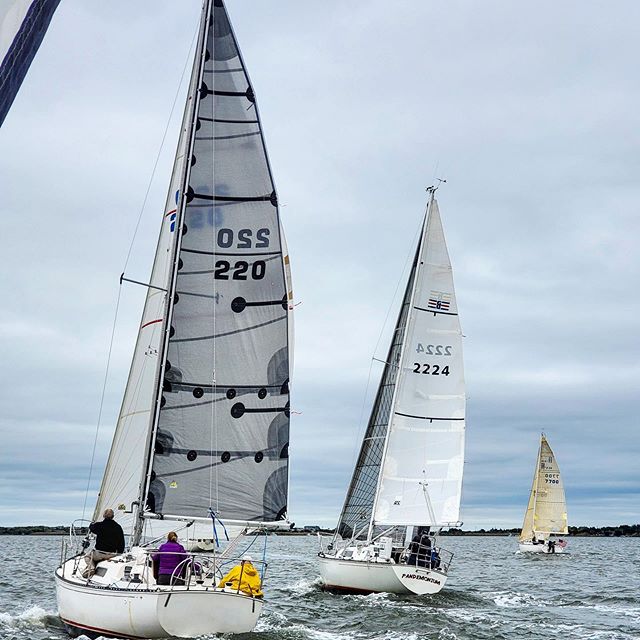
{"points": [[493, 593]]}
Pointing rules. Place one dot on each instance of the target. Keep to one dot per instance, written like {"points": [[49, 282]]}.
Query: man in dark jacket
{"points": [[109, 542]]}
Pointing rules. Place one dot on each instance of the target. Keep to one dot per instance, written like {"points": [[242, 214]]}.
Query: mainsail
{"points": [[205, 422], [23, 24], [547, 508], [409, 471]]}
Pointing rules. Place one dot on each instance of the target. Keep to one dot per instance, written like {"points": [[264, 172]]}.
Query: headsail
{"points": [[128, 458], [358, 506], [547, 509], [23, 24], [211, 370], [421, 476]]}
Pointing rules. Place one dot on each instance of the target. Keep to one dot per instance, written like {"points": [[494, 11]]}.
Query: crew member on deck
{"points": [[170, 555], [243, 577], [109, 542]]}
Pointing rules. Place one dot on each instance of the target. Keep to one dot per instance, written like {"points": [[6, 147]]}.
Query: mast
{"points": [[534, 488], [192, 102], [416, 270]]}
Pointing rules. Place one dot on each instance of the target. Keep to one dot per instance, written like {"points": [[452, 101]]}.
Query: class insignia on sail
{"points": [[201, 443], [407, 481]]}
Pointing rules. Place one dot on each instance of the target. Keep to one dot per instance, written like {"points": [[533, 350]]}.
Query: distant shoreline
{"points": [[619, 531]]}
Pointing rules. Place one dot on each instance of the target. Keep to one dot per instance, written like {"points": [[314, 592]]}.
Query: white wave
{"points": [[516, 599], [275, 622], [33, 616], [304, 586], [630, 612]]}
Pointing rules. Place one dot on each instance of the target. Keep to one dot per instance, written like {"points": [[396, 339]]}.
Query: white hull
{"points": [[529, 547], [154, 612], [379, 577]]}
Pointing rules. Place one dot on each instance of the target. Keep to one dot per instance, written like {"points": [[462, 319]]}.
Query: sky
{"points": [[530, 112]]}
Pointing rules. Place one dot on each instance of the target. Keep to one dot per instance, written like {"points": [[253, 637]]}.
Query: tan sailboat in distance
{"points": [[546, 513]]}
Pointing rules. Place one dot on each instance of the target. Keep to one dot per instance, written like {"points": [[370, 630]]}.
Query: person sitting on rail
{"points": [[243, 577], [109, 542]]}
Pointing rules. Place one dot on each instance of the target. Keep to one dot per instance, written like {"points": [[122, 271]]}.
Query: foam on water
{"points": [[34, 616], [492, 594]]}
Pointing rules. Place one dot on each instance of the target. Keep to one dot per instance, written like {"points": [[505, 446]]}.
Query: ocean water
{"points": [[493, 593]]}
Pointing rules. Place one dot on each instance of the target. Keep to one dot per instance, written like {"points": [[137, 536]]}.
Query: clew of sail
{"points": [[23, 24], [547, 508], [421, 475]]}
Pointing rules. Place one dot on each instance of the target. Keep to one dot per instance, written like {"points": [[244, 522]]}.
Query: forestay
{"points": [[357, 510], [223, 429], [128, 458], [547, 508], [421, 476], [23, 24]]}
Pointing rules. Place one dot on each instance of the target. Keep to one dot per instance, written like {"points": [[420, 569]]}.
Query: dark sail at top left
{"points": [[23, 24]]}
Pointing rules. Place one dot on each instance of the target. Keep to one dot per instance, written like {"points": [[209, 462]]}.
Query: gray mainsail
{"points": [[357, 510], [221, 441]]}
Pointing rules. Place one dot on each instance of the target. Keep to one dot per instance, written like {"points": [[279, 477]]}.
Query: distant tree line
{"points": [[621, 530], [38, 530]]}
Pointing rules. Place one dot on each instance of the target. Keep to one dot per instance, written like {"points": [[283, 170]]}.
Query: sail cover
{"points": [[223, 430], [358, 505], [421, 477], [23, 24], [547, 509]]}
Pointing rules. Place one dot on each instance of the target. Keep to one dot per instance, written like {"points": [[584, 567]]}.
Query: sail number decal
{"points": [[431, 369], [552, 478], [239, 270], [435, 349], [243, 239]]}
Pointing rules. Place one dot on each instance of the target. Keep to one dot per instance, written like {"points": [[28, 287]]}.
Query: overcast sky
{"points": [[530, 111]]}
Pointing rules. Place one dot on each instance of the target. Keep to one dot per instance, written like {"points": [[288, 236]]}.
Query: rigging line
{"points": [[104, 388], [362, 425], [164, 137], [213, 434]]}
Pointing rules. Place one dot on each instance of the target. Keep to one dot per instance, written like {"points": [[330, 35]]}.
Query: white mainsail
{"points": [[410, 467], [23, 24], [547, 508], [421, 475]]}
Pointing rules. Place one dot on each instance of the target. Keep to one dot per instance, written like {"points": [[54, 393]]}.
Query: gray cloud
{"points": [[529, 112]]}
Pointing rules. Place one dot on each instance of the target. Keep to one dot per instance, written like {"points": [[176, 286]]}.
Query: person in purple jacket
{"points": [[169, 556]]}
